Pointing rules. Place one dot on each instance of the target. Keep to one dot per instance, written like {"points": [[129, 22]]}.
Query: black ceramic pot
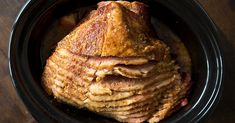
{"points": [[185, 17]]}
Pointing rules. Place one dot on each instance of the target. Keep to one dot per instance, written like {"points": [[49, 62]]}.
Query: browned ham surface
{"points": [[113, 64]]}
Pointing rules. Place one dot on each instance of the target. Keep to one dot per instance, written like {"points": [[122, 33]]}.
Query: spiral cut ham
{"points": [[113, 64]]}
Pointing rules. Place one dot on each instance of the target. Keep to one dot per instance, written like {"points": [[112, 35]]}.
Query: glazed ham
{"points": [[113, 64]]}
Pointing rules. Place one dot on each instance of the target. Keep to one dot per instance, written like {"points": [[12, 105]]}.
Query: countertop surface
{"points": [[222, 12]]}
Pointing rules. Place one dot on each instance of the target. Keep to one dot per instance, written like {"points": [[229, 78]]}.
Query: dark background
{"points": [[222, 12]]}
